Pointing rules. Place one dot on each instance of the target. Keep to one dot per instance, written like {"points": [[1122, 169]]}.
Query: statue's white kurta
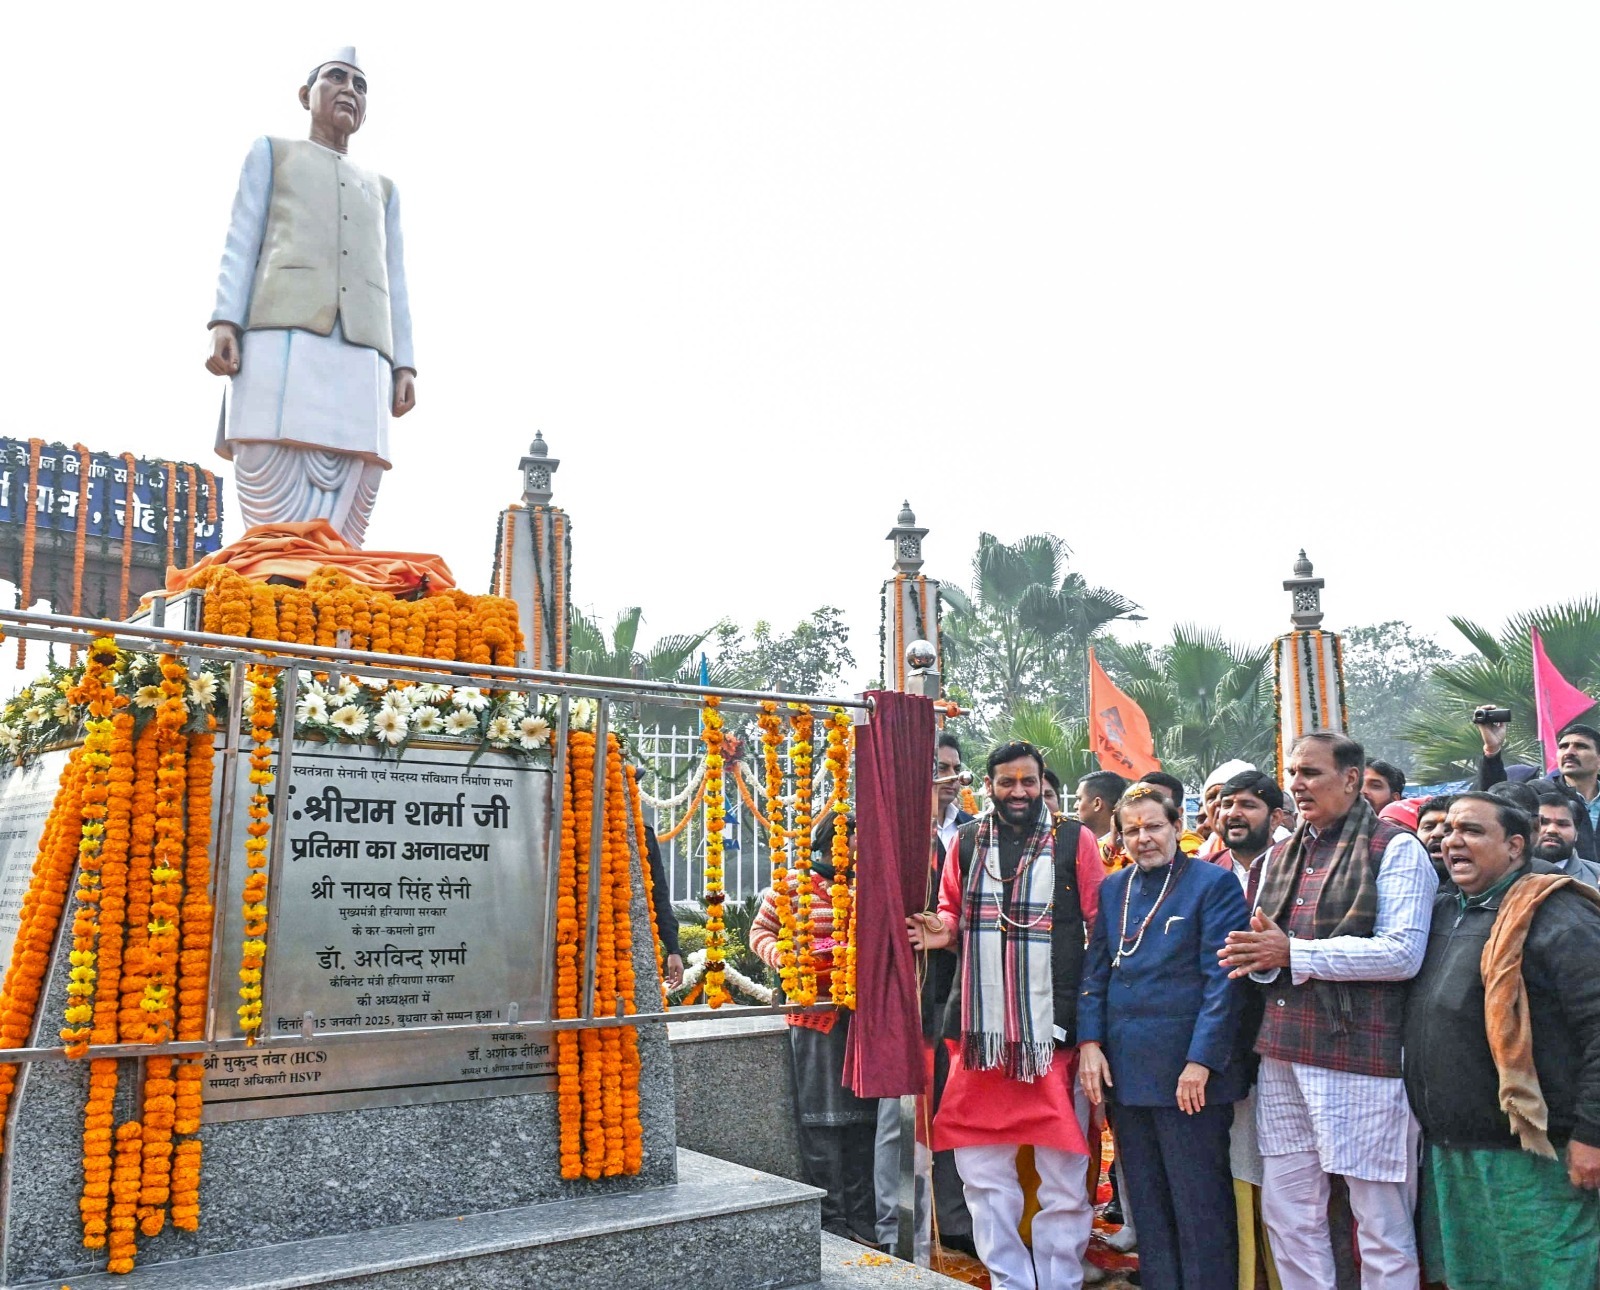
{"points": [[313, 274]]}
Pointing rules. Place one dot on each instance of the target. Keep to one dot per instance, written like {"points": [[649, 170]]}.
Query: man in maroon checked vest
{"points": [[1341, 923]]}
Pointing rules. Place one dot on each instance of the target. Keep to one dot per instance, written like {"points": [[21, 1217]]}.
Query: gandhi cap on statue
{"points": [[345, 54]]}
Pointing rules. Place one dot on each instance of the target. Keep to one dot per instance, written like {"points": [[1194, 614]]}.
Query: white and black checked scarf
{"points": [[1007, 993]]}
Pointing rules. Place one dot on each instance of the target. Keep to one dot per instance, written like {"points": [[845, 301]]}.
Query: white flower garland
{"points": [[760, 789], [696, 969], [679, 798]]}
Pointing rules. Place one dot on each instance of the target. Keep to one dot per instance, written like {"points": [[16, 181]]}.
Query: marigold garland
{"points": [[716, 820], [771, 724], [263, 722], [842, 985], [569, 1097], [171, 472], [800, 750], [42, 906], [95, 691], [629, 1151]]}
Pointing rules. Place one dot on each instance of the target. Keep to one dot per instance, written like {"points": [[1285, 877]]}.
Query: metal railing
{"points": [[291, 660]]}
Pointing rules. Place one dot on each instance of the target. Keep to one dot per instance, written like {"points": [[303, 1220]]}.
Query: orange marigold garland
{"points": [[125, 1196], [842, 986], [716, 935], [263, 722], [40, 915], [630, 1145], [568, 1075], [800, 750], [194, 973]]}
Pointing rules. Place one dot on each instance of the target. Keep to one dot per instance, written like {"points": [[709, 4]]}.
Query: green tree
{"points": [[813, 658], [1207, 700], [595, 652], [1386, 678], [1500, 672], [1021, 635], [1063, 739]]}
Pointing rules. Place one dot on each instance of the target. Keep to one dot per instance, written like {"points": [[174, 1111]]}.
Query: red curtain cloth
{"points": [[894, 812]]}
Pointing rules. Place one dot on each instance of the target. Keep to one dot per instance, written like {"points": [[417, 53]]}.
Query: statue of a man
{"points": [[312, 321]]}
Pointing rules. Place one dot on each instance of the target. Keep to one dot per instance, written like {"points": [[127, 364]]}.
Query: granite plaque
{"points": [[410, 895]]}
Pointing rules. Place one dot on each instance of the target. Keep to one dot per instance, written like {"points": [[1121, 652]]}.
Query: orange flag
{"points": [[1119, 734]]}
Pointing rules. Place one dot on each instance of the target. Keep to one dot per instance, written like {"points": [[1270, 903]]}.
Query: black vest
{"points": [[1067, 932]]}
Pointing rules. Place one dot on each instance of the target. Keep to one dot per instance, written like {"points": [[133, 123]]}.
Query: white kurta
{"points": [[293, 385]]}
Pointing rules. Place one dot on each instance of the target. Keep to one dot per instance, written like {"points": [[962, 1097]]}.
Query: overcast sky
{"points": [[1191, 285]]}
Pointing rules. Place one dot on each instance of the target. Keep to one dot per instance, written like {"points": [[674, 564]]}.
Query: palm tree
{"points": [[593, 652], [1501, 673], [1063, 740], [1207, 700], [1024, 630]]}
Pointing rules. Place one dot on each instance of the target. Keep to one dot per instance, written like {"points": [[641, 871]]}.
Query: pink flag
{"points": [[1556, 700]]}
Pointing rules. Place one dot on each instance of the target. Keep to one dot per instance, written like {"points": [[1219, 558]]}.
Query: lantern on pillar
{"points": [[1307, 667], [910, 608]]}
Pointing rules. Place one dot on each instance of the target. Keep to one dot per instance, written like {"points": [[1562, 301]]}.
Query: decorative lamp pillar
{"points": [[1307, 668], [533, 561], [910, 609]]}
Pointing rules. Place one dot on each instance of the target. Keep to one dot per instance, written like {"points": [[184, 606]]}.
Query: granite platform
{"points": [[719, 1225], [735, 1083]]}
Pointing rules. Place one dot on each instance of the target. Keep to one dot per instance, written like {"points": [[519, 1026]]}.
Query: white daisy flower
{"points": [[147, 696], [427, 721], [35, 715], [533, 732], [203, 689], [350, 719], [500, 732], [389, 725], [377, 684], [469, 696], [348, 688], [460, 721], [43, 692], [432, 692], [63, 711], [313, 708], [398, 701], [10, 737], [583, 714]]}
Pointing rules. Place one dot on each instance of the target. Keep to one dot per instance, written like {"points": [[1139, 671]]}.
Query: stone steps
{"points": [[721, 1225], [845, 1268]]}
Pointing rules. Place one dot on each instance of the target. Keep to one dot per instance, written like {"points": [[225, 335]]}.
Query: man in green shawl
{"points": [[1502, 1063]]}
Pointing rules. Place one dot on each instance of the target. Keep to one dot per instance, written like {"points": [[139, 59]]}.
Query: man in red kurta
{"points": [[1016, 894]]}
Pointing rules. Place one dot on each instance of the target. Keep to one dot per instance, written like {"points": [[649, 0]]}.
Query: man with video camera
{"points": [[1577, 766]]}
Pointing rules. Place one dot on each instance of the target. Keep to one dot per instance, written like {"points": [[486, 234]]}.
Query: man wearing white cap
{"points": [[1210, 796], [313, 320]]}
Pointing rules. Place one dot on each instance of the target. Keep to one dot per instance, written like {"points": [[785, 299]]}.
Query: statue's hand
{"points": [[224, 360], [405, 391]]}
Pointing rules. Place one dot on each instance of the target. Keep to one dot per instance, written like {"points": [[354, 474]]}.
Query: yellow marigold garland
{"points": [[263, 722], [842, 987], [771, 723], [800, 750], [95, 691], [166, 871], [716, 935]]}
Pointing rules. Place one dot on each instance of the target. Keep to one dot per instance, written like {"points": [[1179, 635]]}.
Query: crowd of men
{"points": [[1340, 1035]]}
